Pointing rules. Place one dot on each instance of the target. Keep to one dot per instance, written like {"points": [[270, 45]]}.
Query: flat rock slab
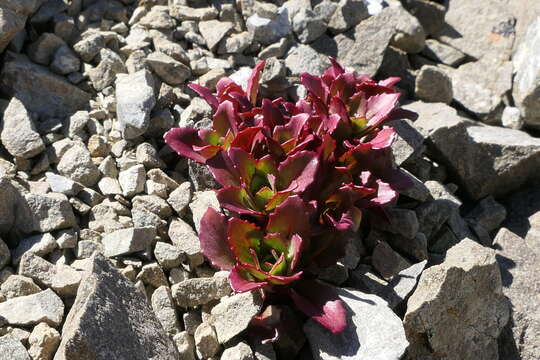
{"points": [[488, 160], [373, 331], [39, 89], [111, 319], [458, 309], [30, 310]]}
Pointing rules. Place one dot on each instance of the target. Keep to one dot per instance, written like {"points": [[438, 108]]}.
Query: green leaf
{"points": [[242, 236]]}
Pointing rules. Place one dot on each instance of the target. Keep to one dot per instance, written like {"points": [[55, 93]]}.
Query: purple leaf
{"points": [[299, 168], [253, 82], [225, 118], [182, 141], [240, 284], [292, 208], [321, 303], [236, 199], [206, 94], [213, 239]]}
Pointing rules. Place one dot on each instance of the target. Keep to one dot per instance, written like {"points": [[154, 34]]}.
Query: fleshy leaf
{"points": [[237, 199], [280, 221], [225, 118], [213, 239], [240, 284], [253, 82], [300, 168], [243, 236], [321, 303], [182, 141], [294, 251], [244, 163], [206, 94], [379, 107]]}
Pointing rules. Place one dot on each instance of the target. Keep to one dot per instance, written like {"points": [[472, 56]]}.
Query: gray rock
{"points": [[168, 256], [409, 142], [180, 198], [5, 254], [18, 285], [77, 165], [488, 160], [387, 262], [518, 262], [45, 213], [168, 69], [240, 351], [394, 292], [479, 92], [206, 341], [158, 18], [164, 308], [429, 13], [11, 348], [43, 342], [62, 184], [109, 66], [460, 304], [152, 275], [233, 314], [213, 31], [409, 34], [373, 331], [42, 50], [9, 198], [18, 133], [127, 241], [135, 99], [433, 85], [437, 51], [181, 12], [511, 118], [30, 310], [40, 90], [348, 13], [202, 200], [307, 26], [184, 238], [152, 203], [185, 345], [105, 297], [399, 221], [11, 23], [132, 180], [526, 61], [277, 50], [491, 36], [199, 291], [268, 31], [235, 43], [304, 58], [89, 46], [488, 213], [63, 279], [363, 47], [41, 245]]}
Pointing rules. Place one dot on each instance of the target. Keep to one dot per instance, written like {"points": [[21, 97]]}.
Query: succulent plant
{"points": [[295, 181]]}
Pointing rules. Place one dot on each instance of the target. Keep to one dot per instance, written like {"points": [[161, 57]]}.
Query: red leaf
{"points": [[321, 303], [212, 235], [182, 141], [253, 82], [206, 94], [243, 236], [225, 118], [291, 217], [299, 168], [240, 284], [379, 107], [314, 85], [236, 198]]}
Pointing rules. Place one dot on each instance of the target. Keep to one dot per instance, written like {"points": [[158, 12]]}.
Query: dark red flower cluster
{"points": [[295, 179]]}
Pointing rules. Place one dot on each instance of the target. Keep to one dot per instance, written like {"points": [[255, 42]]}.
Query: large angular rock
{"points": [[490, 36], [519, 263], [482, 92], [487, 160], [458, 309], [18, 133], [29, 310], [41, 245], [77, 165], [526, 63], [40, 90], [135, 99], [213, 31], [106, 297], [304, 58], [373, 331], [348, 14]]}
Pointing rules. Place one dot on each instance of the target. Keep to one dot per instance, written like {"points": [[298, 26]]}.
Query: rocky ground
{"points": [[99, 253]]}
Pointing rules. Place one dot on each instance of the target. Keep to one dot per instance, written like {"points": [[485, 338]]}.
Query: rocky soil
{"points": [[99, 252]]}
